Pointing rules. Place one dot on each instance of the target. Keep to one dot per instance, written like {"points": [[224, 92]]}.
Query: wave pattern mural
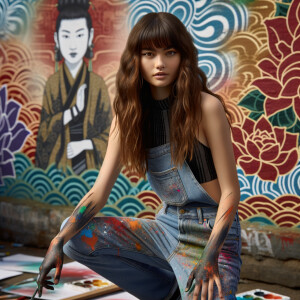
{"points": [[250, 51], [57, 187], [210, 22]]}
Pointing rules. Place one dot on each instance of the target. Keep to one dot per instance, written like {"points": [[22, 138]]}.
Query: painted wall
{"points": [[250, 51]]}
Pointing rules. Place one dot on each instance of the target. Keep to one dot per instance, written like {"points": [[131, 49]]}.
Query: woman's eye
{"points": [[171, 53], [65, 36], [147, 54], [79, 35]]}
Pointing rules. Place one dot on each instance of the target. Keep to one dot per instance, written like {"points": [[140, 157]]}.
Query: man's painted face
{"points": [[73, 38]]}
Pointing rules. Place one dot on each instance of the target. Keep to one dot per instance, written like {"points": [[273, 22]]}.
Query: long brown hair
{"points": [[159, 30]]}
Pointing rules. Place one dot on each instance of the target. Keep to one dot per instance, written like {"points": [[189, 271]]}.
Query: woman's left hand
{"points": [[205, 273]]}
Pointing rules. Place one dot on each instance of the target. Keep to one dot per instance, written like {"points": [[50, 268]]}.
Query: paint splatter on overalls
{"points": [[149, 257]]}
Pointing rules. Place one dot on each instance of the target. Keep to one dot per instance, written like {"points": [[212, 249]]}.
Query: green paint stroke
{"points": [[82, 210]]}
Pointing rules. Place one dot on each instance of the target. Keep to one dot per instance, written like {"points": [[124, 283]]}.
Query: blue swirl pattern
{"points": [[286, 185], [15, 18], [211, 24]]}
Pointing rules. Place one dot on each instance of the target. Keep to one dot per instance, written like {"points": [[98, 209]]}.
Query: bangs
{"points": [[157, 34]]}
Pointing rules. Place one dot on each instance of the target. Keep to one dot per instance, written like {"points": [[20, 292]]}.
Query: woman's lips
{"points": [[160, 75], [73, 54]]}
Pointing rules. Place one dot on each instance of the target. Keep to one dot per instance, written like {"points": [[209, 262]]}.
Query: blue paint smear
{"points": [[87, 232]]}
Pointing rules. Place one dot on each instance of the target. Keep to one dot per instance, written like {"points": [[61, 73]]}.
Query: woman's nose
{"points": [[159, 63]]}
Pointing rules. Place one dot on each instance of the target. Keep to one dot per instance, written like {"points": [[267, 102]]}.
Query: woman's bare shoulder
{"points": [[211, 105]]}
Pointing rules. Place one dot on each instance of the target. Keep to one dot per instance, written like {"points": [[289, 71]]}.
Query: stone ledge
{"points": [[270, 241], [30, 222], [270, 270]]}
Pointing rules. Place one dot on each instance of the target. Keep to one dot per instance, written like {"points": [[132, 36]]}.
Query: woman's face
{"points": [[73, 38], [159, 67]]}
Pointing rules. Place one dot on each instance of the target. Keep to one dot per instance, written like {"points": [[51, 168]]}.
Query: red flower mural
{"points": [[264, 150], [281, 72]]}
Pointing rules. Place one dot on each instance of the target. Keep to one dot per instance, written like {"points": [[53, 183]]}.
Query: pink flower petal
{"points": [[237, 152], [297, 32], [237, 134], [284, 48], [281, 158], [291, 61], [267, 172], [290, 89], [274, 105], [248, 125], [270, 154], [268, 86], [263, 125], [290, 141], [253, 149], [277, 31], [268, 66], [250, 167], [293, 17], [296, 44], [297, 106], [289, 164], [279, 132], [292, 73]]}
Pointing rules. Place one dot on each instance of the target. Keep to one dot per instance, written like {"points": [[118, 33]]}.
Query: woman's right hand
{"points": [[53, 259], [80, 98]]}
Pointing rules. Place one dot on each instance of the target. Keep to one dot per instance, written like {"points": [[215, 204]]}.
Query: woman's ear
{"points": [[56, 39], [91, 36]]}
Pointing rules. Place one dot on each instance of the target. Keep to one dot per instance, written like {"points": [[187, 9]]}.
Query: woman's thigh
{"points": [[128, 251]]}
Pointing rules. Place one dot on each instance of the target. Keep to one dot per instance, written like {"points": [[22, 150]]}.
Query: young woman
{"points": [[76, 112], [169, 125]]}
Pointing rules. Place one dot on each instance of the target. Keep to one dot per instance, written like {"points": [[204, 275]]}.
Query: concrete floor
{"points": [[244, 285]]}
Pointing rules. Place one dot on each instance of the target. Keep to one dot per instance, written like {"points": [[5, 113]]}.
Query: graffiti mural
{"points": [[250, 52]]}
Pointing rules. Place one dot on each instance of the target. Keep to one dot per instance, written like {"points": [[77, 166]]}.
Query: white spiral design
{"points": [[15, 18]]}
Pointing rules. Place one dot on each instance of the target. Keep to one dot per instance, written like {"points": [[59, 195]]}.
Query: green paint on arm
{"points": [[82, 209]]}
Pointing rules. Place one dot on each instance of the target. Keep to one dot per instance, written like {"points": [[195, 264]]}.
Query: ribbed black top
{"points": [[157, 133]]}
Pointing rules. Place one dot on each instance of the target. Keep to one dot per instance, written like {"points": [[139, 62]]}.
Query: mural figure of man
{"points": [[76, 111]]}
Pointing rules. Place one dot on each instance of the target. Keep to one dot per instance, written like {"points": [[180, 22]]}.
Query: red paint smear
{"points": [[76, 272], [90, 241], [226, 256], [271, 296], [285, 242], [227, 213], [118, 226]]}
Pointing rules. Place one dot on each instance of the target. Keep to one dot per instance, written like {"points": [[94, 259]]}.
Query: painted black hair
{"points": [[73, 9]]}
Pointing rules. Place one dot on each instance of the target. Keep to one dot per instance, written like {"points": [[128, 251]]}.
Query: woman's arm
{"points": [[218, 135], [86, 209]]}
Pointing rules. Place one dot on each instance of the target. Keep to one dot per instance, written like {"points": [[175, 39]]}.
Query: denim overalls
{"points": [[151, 258]]}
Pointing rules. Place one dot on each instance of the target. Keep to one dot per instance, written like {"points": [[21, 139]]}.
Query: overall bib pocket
{"points": [[168, 186]]}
